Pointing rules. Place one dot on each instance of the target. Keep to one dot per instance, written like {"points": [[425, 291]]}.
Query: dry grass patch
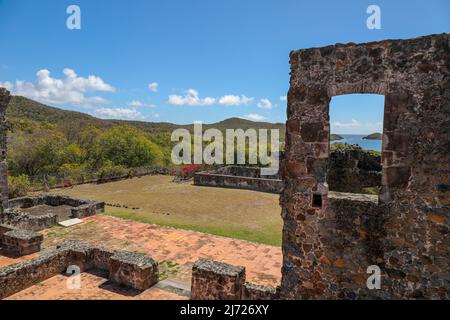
{"points": [[240, 214]]}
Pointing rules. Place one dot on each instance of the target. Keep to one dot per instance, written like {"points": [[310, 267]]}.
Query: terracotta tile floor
{"points": [[262, 262], [6, 260], [176, 246], [175, 249], [93, 286]]}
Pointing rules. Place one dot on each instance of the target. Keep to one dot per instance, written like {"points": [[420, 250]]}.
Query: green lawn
{"points": [[240, 214]]}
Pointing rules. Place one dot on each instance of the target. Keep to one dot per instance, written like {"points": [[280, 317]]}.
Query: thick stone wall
{"points": [[4, 100], [408, 235]]}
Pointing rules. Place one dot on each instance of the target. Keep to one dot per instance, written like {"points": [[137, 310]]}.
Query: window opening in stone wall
{"points": [[356, 130]]}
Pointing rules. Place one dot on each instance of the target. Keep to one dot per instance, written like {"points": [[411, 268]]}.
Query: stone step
{"points": [[70, 222], [176, 286]]}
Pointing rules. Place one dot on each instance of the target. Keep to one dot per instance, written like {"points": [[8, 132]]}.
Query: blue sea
{"points": [[358, 139]]}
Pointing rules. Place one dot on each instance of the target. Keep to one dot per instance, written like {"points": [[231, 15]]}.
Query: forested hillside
{"points": [[47, 144]]}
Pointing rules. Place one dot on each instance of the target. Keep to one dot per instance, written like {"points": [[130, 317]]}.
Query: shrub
{"points": [[128, 147], [374, 152], [110, 170], [73, 171], [18, 186]]}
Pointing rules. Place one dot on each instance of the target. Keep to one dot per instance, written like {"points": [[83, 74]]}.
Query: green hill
{"points": [[335, 137], [374, 136], [44, 140], [21, 108]]}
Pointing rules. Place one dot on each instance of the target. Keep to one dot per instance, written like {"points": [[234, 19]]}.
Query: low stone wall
{"points": [[249, 172], [238, 182], [213, 280], [29, 222], [81, 209], [21, 242], [134, 270], [5, 228], [258, 292], [18, 277]]}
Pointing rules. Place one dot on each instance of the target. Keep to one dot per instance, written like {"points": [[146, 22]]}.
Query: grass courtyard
{"points": [[241, 214]]}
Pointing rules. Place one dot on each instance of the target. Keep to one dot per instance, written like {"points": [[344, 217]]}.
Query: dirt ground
{"points": [[240, 214]]}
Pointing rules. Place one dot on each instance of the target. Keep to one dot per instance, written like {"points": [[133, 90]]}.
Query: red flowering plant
{"points": [[188, 172]]}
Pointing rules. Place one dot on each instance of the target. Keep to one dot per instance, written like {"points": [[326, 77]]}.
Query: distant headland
{"points": [[335, 137], [374, 136]]}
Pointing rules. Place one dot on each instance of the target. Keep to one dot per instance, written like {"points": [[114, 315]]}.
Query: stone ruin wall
{"points": [[352, 169], [129, 269], [239, 178], [326, 250], [328, 243], [4, 100]]}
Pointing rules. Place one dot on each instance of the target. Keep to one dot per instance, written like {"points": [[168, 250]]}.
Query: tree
{"points": [[128, 147], [35, 153]]}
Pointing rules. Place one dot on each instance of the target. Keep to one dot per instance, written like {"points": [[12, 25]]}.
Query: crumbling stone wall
{"points": [[214, 280], [352, 169], [409, 234], [17, 218], [4, 100], [134, 270]]}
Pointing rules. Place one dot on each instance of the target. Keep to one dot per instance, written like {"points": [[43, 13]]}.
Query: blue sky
{"points": [[183, 61]]}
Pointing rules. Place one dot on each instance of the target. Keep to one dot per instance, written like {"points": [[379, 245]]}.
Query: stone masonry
{"points": [[133, 270], [406, 233], [213, 280], [352, 169], [80, 209], [329, 241], [4, 100]]}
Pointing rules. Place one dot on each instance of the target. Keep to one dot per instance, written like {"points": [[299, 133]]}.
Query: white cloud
{"points": [[355, 126], [254, 117], [7, 85], [232, 100], [265, 104], [118, 113], [283, 98], [191, 98], [71, 89], [153, 86], [135, 104]]}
